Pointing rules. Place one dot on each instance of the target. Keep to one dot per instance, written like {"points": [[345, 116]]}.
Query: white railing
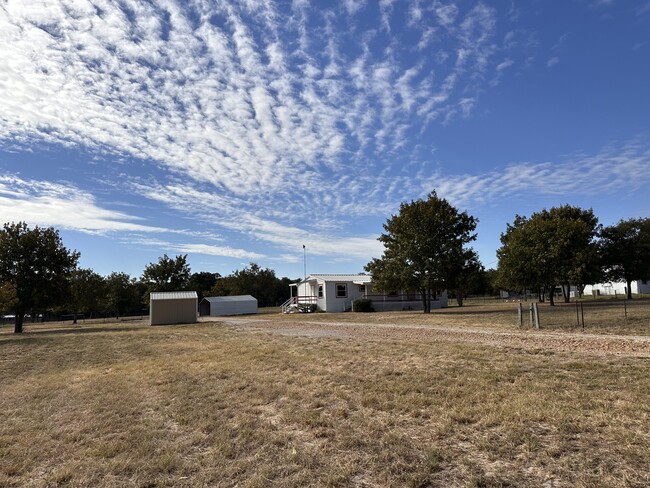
{"points": [[294, 302], [286, 306]]}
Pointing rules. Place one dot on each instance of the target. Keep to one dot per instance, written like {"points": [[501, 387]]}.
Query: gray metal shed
{"points": [[233, 305], [173, 307]]}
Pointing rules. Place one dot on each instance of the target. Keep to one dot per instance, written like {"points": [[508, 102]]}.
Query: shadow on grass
{"points": [[28, 332]]}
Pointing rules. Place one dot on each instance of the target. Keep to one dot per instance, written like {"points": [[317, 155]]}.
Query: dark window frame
{"points": [[345, 290]]}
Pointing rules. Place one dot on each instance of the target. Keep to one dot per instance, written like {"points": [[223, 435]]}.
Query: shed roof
{"points": [[172, 295], [232, 298]]}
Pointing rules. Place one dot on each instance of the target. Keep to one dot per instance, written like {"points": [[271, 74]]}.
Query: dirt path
{"points": [[636, 346]]}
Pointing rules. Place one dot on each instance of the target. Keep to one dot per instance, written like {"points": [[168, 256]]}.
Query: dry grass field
{"points": [[461, 398]]}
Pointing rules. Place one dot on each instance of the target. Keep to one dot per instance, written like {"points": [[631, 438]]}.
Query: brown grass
{"points": [[224, 405], [611, 316]]}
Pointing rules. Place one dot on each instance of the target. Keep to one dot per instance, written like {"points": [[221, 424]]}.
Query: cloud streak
{"points": [[614, 168], [67, 207]]}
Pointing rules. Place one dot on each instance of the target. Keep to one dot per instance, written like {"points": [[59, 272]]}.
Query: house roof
{"points": [[232, 298], [355, 278], [172, 295]]}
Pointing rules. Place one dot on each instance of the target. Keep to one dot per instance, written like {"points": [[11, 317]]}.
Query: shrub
{"points": [[307, 307], [363, 305]]}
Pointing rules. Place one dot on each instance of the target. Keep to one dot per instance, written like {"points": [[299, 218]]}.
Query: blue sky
{"points": [[239, 131]]}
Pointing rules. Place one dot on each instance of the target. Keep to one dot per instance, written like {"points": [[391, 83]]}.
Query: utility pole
{"points": [[304, 255]]}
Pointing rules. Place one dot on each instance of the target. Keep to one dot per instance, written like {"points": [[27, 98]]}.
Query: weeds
{"points": [[211, 405]]}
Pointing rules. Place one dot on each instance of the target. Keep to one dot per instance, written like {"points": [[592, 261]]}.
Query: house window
{"points": [[341, 290], [320, 291], [362, 288]]}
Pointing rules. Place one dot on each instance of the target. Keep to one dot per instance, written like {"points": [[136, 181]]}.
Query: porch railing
{"points": [[293, 302]]}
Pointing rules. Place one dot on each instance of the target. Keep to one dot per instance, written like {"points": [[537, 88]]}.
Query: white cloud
{"points": [[223, 213], [612, 169], [552, 61], [189, 248], [506, 63], [65, 206], [233, 104], [283, 122]]}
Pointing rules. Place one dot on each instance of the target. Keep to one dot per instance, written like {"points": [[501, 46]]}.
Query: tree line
{"points": [[38, 274], [426, 249]]}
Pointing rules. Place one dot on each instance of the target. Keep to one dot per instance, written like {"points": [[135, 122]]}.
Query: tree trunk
{"points": [[459, 299], [18, 324], [629, 289], [551, 296], [426, 301]]}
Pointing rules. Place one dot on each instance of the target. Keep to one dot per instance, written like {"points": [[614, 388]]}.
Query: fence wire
{"points": [[611, 315]]}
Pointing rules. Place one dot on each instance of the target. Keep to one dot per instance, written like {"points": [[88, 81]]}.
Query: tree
{"points": [[123, 294], [424, 245], [167, 274], [252, 280], [467, 277], [202, 282], [86, 292], [35, 269], [625, 251], [552, 247]]}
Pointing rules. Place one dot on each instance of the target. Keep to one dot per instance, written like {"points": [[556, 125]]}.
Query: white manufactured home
{"points": [[173, 307], [336, 292], [618, 288], [230, 305]]}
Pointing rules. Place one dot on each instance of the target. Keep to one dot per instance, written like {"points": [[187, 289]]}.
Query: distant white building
{"points": [[230, 305], [336, 292], [618, 288]]}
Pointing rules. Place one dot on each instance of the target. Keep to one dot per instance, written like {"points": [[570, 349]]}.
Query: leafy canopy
{"points": [[424, 246], [167, 274], [35, 269], [625, 250], [552, 247]]}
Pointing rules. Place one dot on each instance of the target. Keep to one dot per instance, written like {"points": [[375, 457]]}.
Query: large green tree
{"points": [[625, 251], [552, 247], [35, 269], [167, 274], [424, 247]]}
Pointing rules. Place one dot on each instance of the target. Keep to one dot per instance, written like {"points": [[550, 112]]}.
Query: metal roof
{"points": [[232, 298], [356, 278], [172, 295]]}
